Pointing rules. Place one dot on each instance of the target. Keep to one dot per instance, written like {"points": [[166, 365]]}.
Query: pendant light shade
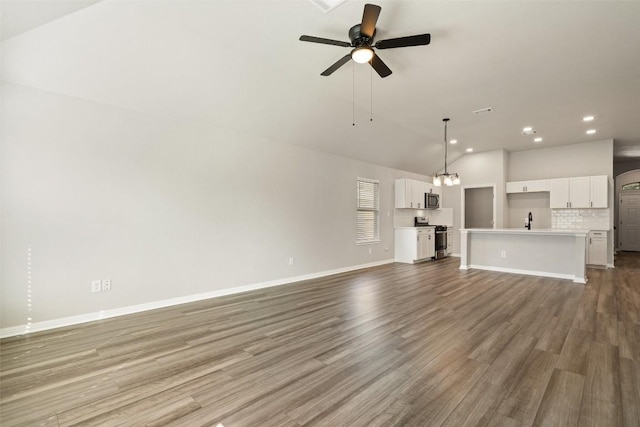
{"points": [[446, 178]]}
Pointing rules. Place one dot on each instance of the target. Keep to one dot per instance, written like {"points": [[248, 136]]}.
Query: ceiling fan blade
{"points": [[337, 65], [417, 40], [380, 67], [313, 39], [369, 19]]}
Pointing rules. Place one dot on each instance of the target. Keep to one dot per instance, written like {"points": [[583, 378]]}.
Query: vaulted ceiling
{"points": [[240, 65]]}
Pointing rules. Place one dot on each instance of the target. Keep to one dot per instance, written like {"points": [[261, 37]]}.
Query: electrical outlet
{"points": [[503, 254], [290, 260], [96, 286], [106, 285]]}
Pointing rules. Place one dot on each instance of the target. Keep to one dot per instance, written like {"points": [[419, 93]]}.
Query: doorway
{"points": [[629, 221], [478, 207]]}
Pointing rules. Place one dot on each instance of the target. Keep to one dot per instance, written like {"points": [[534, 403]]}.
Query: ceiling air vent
{"points": [[483, 110], [327, 5]]}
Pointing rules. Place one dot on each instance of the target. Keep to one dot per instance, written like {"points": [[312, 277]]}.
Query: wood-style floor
{"points": [[396, 345]]}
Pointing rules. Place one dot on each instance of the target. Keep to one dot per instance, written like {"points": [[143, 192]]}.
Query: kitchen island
{"points": [[548, 253]]}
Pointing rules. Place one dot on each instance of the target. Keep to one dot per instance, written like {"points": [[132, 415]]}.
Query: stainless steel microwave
{"points": [[432, 200]]}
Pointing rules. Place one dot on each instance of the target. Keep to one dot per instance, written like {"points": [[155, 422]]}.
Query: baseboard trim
{"points": [[106, 314], [527, 272]]}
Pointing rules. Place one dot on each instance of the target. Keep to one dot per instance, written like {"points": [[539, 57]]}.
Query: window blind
{"points": [[368, 206]]}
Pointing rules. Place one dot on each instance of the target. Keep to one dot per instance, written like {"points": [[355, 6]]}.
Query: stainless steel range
{"points": [[441, 241]]}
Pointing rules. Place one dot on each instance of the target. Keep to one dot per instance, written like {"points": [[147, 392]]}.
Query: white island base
{"points": [[548, 253]]}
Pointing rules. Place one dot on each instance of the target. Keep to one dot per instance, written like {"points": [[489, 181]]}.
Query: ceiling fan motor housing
{"points": [[356, 37]]}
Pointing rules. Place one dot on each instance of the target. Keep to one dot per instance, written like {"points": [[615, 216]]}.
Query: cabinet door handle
{"points": [[591, 204], [589, 240]]}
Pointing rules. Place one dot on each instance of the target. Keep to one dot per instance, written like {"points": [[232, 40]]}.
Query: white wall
{"points": [[164, 208], [476, 169], [520, 204], [589, 158]]}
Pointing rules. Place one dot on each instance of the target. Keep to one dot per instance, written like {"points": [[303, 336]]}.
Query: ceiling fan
{"points": [[361, 36]]}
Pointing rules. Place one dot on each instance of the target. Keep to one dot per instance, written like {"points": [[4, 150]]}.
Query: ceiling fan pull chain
{"points": [[371, 94], [353, 94]]}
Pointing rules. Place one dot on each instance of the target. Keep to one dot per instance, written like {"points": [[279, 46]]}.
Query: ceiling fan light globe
{"points": [[362, 54]]}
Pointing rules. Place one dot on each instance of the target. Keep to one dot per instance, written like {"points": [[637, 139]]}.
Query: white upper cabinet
{"points": [[599, 194], [418, 188], [578, 192], [410, 193], [404, 197], [527, 186], [559, 193]]}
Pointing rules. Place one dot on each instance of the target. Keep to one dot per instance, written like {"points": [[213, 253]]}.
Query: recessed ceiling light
{"points": [[453, 141], [587, 118], [538, 139], [591, 131], [469, 150], [527, 129]]}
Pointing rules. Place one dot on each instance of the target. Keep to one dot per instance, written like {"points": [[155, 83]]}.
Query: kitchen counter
{"points": [[538, 252], [415, 228]]}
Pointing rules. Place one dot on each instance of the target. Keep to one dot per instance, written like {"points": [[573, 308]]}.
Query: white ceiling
{"points": [[239, 64]]}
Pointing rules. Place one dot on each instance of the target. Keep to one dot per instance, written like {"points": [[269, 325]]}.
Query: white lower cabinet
{"points": [[449, 241], [426, 243], [414, 244], [597, 248]]}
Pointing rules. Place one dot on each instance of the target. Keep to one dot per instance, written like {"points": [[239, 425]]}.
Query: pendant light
{"points": [[446, 178]]}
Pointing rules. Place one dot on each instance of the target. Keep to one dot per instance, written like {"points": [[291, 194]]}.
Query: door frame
{"points": [[463, 196]]}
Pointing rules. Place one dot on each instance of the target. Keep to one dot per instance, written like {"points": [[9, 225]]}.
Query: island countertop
{"points": [[551, 231], [559, 253]]}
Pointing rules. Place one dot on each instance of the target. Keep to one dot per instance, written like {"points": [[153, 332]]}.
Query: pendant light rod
{"points": [[446, 178], [446, 120]]}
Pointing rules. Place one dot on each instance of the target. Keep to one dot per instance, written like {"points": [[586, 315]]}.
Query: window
{"points": [[368, 216], [631, 186]]}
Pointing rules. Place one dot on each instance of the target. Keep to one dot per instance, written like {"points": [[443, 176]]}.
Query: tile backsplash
{"points": [[591, 219]]}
